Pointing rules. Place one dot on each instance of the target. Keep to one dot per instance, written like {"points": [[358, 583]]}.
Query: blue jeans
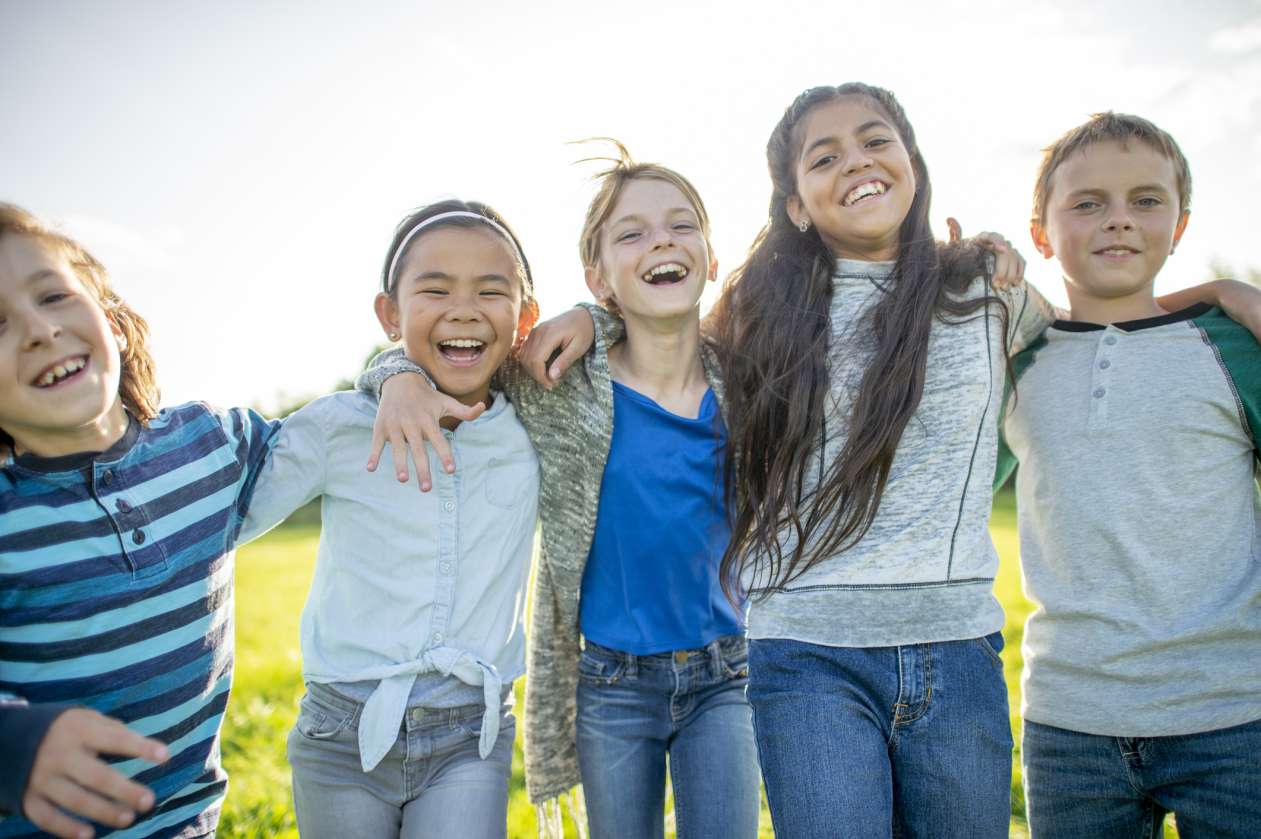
{"points": [[1087, 785], [432, 783], [633, 710], [910, 741]]}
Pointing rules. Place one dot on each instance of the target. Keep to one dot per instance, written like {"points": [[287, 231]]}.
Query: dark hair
{"points": [[1102, 127], [453, 205], [137, 380], [772, 323]]}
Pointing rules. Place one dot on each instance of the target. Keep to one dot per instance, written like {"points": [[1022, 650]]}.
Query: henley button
{"points": [[446, 567], [1105, 364], [448, 505], [137, 536], [123, 506], [1110, 340], [1099, 392], [107, 477], [437, 637]]}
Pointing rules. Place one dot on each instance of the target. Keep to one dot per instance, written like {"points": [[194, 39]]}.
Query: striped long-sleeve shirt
{"points": [[116, 595]]}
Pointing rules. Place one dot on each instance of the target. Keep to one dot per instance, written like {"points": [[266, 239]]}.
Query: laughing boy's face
{"points": [[59, 357]]}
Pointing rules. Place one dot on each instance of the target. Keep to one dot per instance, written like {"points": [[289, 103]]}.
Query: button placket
{"points": [[448, 489], [1101, 378]]}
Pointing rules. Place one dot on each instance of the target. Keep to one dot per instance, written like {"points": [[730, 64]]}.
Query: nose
{"points": [[463, 306], [662, 237], [856, 159], [1118, 219], [39, 330]]}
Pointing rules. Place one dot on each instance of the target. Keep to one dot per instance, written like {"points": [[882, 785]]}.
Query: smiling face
{"points": [[59, 358], [1112, 218], [458, 306], [855, 180], [654, 260]]}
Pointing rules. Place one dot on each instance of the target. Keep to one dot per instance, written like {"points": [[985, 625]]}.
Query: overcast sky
{"points": [[240, 167]]}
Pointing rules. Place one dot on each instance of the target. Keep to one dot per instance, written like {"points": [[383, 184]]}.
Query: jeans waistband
{"points": [[715, 652], [416, 715]]}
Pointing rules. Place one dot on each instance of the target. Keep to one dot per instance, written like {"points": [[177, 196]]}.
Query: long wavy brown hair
{"points": [[137, 383], [772, 324]]}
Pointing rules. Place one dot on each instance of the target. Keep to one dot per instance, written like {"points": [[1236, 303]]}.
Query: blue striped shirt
{"points": [[116, 594]]}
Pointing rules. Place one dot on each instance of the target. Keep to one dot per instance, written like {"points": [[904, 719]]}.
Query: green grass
{"points": [[271, 584]]}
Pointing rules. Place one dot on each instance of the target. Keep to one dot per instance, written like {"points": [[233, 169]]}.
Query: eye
{"points": [[1148, 202], [877, 142], [685, 226], [822, 161], [433, 291], [54, 297], [493, 292], [1086, 205], [628, 236]]}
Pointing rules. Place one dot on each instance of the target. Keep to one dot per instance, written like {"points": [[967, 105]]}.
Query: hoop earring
{"points": [[804, 226]]}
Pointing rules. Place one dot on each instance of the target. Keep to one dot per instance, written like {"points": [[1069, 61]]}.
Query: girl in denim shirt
{"points": [[413, 629]]}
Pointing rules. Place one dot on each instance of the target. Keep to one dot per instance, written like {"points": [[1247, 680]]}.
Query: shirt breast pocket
{"points": [[510, 481]]}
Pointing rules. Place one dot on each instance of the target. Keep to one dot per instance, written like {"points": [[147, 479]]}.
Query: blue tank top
{"points": [[651, 581]]}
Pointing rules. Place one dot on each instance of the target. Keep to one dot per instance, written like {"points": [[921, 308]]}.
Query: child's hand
{"points": [[68, 774], [1240, 301], [409, 414], [566, 336], [1009, 265]]}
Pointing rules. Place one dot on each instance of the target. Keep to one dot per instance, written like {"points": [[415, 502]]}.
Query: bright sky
{"points": [[240, 167]]}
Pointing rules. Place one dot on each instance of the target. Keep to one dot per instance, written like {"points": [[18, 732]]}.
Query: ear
{"points": [[526, 320], [713, 270], [1040, 241], [387, 314], [796, 213], [120, 337], [595, 282], [1178, 231]]}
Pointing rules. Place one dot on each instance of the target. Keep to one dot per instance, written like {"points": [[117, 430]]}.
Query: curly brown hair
{"points": [[137, 384]]}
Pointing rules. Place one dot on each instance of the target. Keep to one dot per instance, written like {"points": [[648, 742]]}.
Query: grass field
{"points": [[272, 579]]}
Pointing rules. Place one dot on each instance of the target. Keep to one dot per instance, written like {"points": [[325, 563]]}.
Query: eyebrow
{"points": [[866, 126], [639, 218], [42, 274], [1094, 190], [445, 277]]}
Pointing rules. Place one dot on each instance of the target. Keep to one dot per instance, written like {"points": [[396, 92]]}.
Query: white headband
{"points": [[411, 234]]}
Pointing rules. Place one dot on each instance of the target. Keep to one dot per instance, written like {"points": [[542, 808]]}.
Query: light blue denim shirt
{"points": [[408, 584]]}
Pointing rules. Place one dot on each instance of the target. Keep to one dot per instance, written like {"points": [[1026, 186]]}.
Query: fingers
{"points": [[44, 815], [109, 736], [87, 804], [398, 455], [378, 443], [956, 231], [1009, 265], [571, 352], [99, 778], [534, 354]]}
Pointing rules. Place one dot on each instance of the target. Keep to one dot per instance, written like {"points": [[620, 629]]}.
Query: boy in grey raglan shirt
{"points": [[1136, 434]]}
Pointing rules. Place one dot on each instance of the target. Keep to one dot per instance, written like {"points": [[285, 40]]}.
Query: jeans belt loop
{"points": [[715, 658], [632, 665]]}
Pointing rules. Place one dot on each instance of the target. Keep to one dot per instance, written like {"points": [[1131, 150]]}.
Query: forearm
{"points": [[22, 729]]}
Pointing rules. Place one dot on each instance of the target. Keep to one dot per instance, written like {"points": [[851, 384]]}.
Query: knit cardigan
{"points": [[571, 427]]}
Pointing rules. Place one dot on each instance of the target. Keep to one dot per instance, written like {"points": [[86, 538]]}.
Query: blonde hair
{"points": [[612, 182], [137, 384]]}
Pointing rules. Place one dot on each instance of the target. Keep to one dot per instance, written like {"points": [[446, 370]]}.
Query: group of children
{"points": [[764, 546]]}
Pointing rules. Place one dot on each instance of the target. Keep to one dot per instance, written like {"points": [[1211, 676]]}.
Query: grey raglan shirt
{"points": [[1139, 515], [925, 569]]}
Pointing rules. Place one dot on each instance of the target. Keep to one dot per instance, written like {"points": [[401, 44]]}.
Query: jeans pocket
{"points": [[320, 720], [992, 644], [596, 666]]}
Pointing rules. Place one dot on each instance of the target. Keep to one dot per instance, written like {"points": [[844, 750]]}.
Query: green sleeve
{"points": [[1239, 356], [1019, 363]]}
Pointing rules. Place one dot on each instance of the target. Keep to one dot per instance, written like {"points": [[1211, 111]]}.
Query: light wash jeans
{"points": [[431, 784], [634, 710], [868, 743], [1089, 786]]}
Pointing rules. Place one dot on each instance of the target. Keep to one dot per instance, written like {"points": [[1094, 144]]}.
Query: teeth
{"points": [[60, 371], [463, 343], [667, 268], [863, 190]]}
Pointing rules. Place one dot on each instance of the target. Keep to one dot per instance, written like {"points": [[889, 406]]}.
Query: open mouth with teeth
{"points": [[61, 372], [863, 192], [462, 351], [1116, 252], [665, 274]]}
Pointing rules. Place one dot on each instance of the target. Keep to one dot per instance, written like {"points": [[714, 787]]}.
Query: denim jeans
{"points": [[1085, 786], [910, 741], [634, 710], [431, 783]]}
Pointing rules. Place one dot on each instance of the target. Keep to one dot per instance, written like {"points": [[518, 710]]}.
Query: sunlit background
{"points": [[240, 167]]}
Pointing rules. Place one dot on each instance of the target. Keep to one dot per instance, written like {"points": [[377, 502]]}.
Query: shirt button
{"points": [[1099, 392], [138, 536], [437, 638], [123, 506], [1105, 364], [446, 567], [107, 477], [1110, 340], [448, 505]]}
